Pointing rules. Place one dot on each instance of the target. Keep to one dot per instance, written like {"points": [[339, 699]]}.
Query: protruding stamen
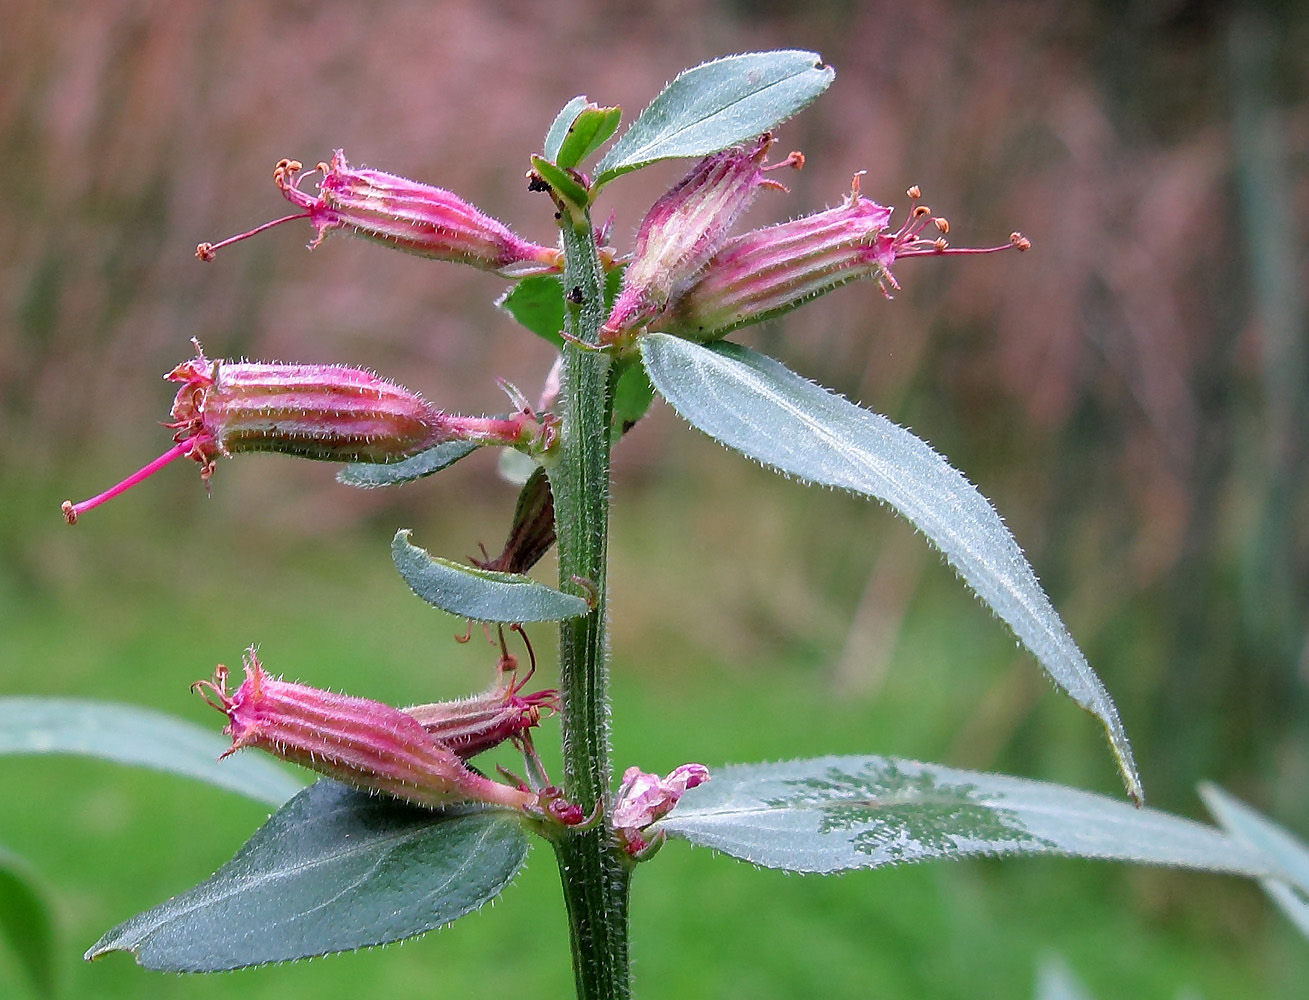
{"points": [[74, 510], [206, 251]]}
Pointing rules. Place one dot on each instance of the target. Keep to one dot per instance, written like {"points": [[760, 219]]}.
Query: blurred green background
{"points": [[1131, 394]]}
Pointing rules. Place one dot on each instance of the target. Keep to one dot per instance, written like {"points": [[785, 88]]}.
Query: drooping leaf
{"points": [[333, 870], [558, 131], [480, 594], [538, 304], [834, 814], [715, 105], [127, 734], [590, 128], [1278, 845], [759, 407], [25, 923], [368, 476]]}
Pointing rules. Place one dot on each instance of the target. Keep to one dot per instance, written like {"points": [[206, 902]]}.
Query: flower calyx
{"points": [[366, 744]]}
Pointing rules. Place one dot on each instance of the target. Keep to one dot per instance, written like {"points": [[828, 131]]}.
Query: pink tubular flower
{"points": [[362, 743], [683, 230], [770, 271], [471, 725], [643, 798], [427, 221], [326, 412]]}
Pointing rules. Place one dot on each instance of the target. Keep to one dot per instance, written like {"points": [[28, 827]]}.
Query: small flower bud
{"points": [[770, 271], [643, 798], [362, 743], [684, 229], [326, 412], [428, 221]]}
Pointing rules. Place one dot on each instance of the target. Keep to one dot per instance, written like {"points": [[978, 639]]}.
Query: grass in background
{"points": [[745, 675]]}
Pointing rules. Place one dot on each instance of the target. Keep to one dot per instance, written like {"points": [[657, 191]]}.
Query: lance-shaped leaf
{"points": [[25, 923], [718, 104], [127, 734], [333, 870], [764, 410], [371, 475], [833, 814], [1276, 844], [480, 594]]}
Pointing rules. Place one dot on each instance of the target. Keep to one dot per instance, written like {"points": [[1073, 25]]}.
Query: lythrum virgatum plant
{"points": [[433, 838]]}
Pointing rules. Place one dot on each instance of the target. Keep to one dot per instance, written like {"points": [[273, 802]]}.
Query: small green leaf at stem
{"points": [[833, 814], [127, 734], [569, 195], [333, 870], [558, 131], [716, 105], [633, 394], [538, 304], [480, 594], [592, 127]]}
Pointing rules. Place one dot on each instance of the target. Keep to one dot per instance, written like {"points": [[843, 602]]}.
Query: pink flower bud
{"points": [[643, 798], [326, 412], [684, 229], [427, 221], [770, 271], [362, 743], [471, 725]]}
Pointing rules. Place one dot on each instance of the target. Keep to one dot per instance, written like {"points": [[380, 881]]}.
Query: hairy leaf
{"points": [[833, 814], [558, 131], [538, 304], [762, 409], [366, 475], [480, 594], [25, 923], [333, 870], [718, 104], [127, 734], [589, 129], [633, 394], [1282, 849]]}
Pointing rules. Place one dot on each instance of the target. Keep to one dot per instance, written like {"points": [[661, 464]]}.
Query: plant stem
{"points": [[595, 878]]}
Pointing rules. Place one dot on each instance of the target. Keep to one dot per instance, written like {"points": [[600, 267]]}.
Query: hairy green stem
{"points": [[595, 878]]}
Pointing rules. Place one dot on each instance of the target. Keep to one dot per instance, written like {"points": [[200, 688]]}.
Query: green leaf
{"points": [[480, 594], [563, 186], [333, 870], [633, 394], [1282, 849], [558, 131], [716, 105], [126, 734], [366, 475], [586, 134], [759, 407], [538, 304], [834, 814], [26, 924]]}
